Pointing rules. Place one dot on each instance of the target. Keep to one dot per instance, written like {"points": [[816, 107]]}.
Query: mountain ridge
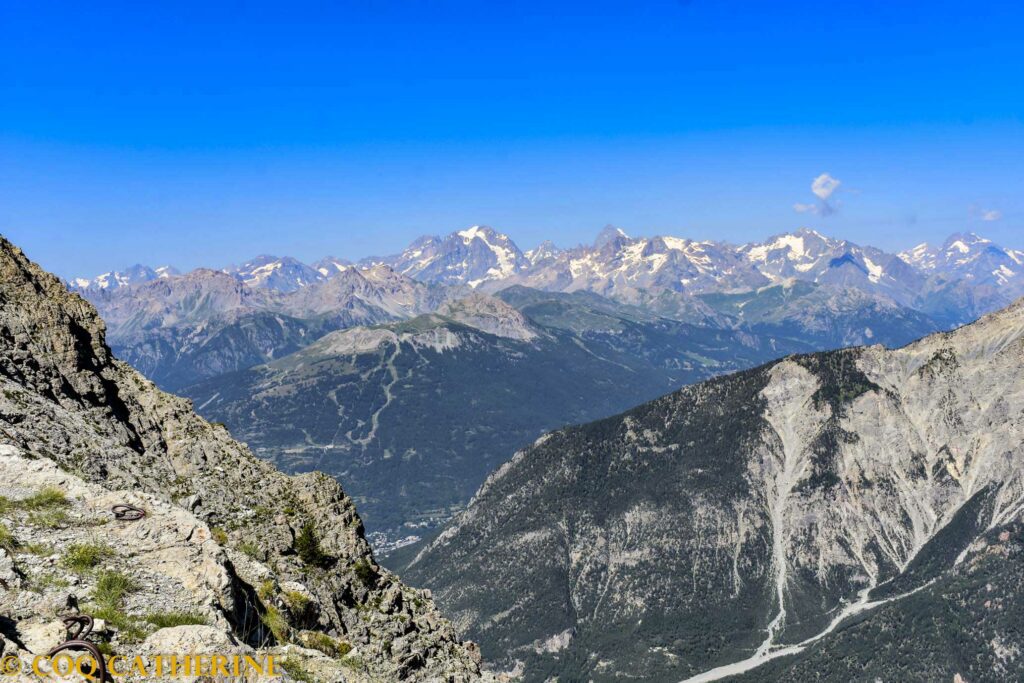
{"points": [[966, 277]]}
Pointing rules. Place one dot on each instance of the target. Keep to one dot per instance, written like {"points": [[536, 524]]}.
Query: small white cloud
{"points": [[805, 208], [824, 185], [991, 215]]}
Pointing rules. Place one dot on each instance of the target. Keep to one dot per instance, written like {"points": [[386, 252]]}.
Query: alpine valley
{"points": [[410, 377]]}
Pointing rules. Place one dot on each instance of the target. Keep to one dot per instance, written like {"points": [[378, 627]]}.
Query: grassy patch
{"points": [[266, 590], [83, 557], [53, 518], [40, 549], [353, 662], [170, 619], [219, 535], [129, 629], [46, 499], [46, 581], [331, 647], [276, 623], [299, 605], [250, 549], [7, 539], [112, 587]]}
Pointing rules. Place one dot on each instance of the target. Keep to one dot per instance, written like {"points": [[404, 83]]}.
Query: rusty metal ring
{"points": [[101, 666], [127, 512], [84, 624]]}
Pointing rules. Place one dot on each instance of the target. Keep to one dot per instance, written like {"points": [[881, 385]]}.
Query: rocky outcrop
{"points": [[226, 531]]}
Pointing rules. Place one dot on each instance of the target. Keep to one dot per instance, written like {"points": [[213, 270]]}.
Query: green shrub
{"points": [[366, 574], [307, 545]]}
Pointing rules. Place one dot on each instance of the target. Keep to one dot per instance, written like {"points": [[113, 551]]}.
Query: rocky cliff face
{"points": [[753, 519], [240, 536]]}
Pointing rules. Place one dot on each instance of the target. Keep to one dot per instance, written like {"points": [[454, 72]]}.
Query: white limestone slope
{"points": [[945, 424]]}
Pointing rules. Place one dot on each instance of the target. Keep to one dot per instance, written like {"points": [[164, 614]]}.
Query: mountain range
{"points": [[838, 515], [338, 365], [184, 328], [845, 515], [965, 277]]}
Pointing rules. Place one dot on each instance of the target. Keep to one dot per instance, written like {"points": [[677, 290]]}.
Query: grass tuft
{"points": [[7, 540], [46, 499], [276, 624], [83, 557], [129, 629], [297, 671], [52, 518], [112, 587], [171, 619]]}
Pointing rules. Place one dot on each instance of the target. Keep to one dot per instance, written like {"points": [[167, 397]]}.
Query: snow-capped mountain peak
{"points": [[610, 234], [284, 274], [122, 278], [472, 256], [546, 251], [331, 266], [923, 256]]}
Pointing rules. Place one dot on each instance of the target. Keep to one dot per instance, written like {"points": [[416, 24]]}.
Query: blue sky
{"points": [[206, 133]]}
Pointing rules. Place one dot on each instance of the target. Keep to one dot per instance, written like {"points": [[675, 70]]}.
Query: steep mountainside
{"points": [[413, 415], [263, 558], [780, 521]]}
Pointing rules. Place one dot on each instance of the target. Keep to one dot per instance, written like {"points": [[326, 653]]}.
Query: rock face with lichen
{"points": [[268, 560]]}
